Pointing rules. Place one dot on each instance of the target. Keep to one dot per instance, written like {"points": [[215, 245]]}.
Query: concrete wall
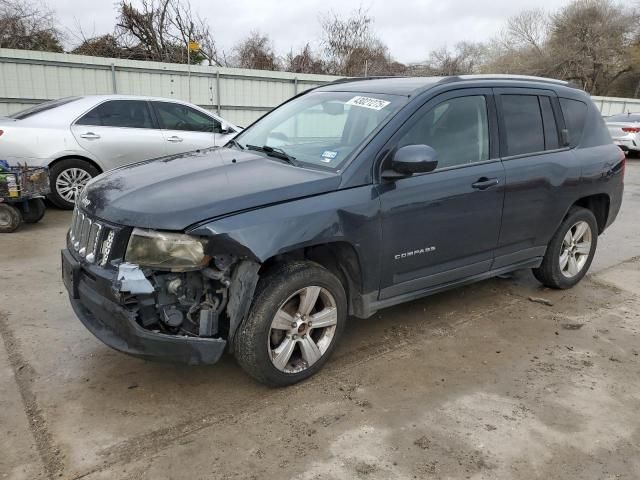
{"points": [[240, 95]]}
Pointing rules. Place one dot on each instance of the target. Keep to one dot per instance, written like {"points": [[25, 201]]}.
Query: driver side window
{"points": [[456, 128], [175, 116]]}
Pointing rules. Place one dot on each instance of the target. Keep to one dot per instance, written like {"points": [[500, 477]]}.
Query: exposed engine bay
{"points": [[192, 303]]}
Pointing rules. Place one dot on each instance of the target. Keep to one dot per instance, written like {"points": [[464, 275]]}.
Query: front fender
{"points": [[351, 216]]}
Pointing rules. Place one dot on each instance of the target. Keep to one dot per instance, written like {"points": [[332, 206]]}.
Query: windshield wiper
{"points": [[274, 152], [236, 143]]}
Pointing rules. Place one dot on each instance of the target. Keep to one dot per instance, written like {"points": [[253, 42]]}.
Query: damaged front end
{"points": [[162, 295]]}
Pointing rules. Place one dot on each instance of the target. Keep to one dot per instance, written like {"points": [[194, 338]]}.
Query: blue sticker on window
{"points": [[329, 155]]}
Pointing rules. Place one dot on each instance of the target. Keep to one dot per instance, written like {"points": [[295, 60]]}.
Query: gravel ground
{"points": [[486, 381]]}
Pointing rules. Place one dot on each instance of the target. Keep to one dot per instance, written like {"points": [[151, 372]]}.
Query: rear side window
{"points": [[119, 113], [42, 107], [524, 132], [574, 113]]}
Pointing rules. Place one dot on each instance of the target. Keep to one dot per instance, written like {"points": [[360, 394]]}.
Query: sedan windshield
{"points": [[320, 128]]}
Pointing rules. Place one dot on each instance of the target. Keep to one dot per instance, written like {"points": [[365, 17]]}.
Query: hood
{"points": [[175, 192]]}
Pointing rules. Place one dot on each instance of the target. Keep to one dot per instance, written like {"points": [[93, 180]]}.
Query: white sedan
{"points": [[80, 137], [625, 130]]}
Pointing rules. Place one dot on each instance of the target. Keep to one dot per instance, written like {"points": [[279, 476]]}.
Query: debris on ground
{"points": [[543, 301], [572, 326]]}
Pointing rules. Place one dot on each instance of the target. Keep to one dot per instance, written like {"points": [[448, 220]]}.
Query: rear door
{"points": [[443, 226], [185, 129], [542, 174], [119, 132]]}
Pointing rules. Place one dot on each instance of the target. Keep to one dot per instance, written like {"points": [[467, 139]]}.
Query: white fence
{"points": [[612, 105], [241, 96]]}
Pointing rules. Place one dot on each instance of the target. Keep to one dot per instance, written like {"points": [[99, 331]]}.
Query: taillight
{"points": [[1, 132], [631, 129]]}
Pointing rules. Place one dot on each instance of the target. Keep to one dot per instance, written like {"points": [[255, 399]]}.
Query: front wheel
{"points": [[296, 319], [570, 251]]}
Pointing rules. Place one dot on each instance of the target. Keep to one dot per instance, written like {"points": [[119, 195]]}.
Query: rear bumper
{"points": [[627, 144], [116, 326]]}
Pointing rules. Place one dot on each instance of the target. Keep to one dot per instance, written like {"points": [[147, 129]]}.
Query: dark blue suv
{"points": [[346, 199]]}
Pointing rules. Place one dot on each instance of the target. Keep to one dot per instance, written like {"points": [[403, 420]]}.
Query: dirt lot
{"points": [[478, 382]]}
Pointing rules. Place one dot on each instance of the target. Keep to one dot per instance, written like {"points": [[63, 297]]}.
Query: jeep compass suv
{"points": [[346, 199]]}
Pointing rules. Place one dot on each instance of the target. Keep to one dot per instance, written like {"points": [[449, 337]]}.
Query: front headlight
{"points": [[165, 250]]}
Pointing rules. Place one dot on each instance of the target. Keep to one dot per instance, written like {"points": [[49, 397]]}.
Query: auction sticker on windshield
{"points": [[368, 102]]}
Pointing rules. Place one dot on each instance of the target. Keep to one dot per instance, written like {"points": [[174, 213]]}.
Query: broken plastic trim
{"points": [[131, 279]]}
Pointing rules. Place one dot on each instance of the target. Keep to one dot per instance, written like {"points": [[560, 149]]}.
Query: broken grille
{"points": [[85, 236]]}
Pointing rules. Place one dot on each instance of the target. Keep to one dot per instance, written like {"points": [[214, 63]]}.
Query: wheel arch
{"points": [[339, 257], [93, 163], [598, 204]]}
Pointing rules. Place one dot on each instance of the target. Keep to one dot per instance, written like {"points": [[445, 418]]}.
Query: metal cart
{"points": [[22, 191]]}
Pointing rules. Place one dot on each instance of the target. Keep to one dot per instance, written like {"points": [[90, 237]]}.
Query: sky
{"points": [[411, 28]]}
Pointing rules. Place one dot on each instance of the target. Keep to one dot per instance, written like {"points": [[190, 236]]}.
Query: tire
{"points": [[283, 291], [10, 218], [555, 272], [71, 172], [37, 208]]}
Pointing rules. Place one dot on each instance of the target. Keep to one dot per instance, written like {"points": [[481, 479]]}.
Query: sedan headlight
{"points": [[165, 250]]}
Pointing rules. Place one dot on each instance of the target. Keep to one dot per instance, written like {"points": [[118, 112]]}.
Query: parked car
{"points": [[80, 137], [347, 199], [625, 131]]}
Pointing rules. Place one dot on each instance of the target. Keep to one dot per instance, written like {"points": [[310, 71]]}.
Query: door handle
{"points": [[483, 183], [174, 139], [90, 136]]}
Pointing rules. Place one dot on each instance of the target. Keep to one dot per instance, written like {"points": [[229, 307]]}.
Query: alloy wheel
{"points": [[302, 330], [70, 183], [576, 247]]}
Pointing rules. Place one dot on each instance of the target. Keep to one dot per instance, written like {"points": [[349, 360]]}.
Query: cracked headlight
{"points": [[166, 250]]}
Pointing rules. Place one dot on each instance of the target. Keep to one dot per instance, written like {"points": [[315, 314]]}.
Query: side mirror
{"points": [[225, 128], [412, 159]]}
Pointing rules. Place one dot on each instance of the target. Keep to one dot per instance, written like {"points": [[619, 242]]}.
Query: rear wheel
{"points": [[67, 178], [296, 319], [36, 211], [10, 218], [570, 251]]}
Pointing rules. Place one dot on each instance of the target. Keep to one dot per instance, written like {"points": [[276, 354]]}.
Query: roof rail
{"points": [[506, 76], [357, 79]]}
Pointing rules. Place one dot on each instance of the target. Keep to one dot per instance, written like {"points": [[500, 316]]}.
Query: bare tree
{"points": [[102, 46], [162, 29], [464, 58], [305, 61], [255, 51], [28, 26], [350, 47], [591, 42]]}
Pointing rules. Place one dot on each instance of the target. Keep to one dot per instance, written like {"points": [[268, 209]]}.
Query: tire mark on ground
{"points": [[25, 375]]}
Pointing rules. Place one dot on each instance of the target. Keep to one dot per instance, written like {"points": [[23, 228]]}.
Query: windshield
{"points": [[624, 117], [321, 128], [42, 107]]}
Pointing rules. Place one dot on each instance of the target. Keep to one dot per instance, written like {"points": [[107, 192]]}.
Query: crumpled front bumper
{"points": [[116, 326]]}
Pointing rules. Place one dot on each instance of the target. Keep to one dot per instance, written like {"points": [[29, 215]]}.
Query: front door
{"points": [[184, 128], [443, 226]]}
